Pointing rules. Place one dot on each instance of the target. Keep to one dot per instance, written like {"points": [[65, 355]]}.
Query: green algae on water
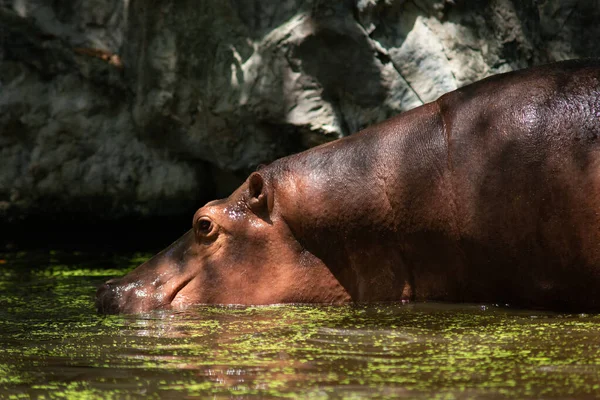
{"points": [[54, 345]]}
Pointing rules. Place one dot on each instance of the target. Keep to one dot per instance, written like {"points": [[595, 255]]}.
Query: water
{"points": [[54, 345]]}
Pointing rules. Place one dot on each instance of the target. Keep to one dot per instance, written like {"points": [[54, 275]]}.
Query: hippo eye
{"points": [[204, 226]]}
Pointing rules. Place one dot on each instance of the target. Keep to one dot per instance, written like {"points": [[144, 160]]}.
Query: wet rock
{"points": [[137, 108]]}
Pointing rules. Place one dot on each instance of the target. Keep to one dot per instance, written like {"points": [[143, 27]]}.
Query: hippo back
{"points": [[524, 157]]}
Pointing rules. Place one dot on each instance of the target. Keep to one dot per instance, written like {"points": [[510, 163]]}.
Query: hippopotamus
{"points": [[490, 194]]}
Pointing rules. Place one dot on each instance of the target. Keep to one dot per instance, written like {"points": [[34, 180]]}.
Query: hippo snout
{"points": [[155, 284], [125, 295]]}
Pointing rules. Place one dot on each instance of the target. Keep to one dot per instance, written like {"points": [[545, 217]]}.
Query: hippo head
{"points": [[240, 250]]}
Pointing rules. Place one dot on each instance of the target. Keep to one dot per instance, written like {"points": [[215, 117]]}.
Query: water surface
{"points": [[53, 344]]}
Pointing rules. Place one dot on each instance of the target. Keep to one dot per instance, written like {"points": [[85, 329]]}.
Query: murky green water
{"points": [[53, 345]]}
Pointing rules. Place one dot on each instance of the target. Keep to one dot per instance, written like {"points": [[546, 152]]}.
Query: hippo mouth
{"points": [[116, 297], [174, 295]]}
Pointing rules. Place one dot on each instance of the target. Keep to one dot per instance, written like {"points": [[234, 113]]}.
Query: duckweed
{"points": [[54, 345]]}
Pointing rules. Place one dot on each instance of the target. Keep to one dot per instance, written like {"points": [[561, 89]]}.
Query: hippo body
{"points": [[489, 194]]}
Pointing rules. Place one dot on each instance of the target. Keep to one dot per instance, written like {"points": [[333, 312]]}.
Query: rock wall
{"points": [[122, 108]]}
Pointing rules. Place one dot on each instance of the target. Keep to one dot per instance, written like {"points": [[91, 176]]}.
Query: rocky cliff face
{"points": [[121, 108]]}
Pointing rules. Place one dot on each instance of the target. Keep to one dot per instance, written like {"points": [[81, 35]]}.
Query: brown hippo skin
{"points": [[489, 194]]}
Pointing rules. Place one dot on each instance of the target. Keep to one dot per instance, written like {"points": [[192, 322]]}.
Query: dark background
{"points": [[118, 119]]}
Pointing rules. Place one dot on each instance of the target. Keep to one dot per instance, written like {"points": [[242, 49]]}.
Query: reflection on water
{"points": [[52, 343]]}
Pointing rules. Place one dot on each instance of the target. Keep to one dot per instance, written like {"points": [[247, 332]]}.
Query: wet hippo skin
{"points": [[489, 194]]}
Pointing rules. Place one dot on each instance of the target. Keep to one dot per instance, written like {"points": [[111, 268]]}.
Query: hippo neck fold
{"points": [[369, 204]]}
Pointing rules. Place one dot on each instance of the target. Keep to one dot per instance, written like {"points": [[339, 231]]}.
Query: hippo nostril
{"points": [[105, 298], [103, 288], [107, 286]]}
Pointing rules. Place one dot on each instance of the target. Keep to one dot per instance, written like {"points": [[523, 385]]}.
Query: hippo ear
{"points": [[257, 199]]}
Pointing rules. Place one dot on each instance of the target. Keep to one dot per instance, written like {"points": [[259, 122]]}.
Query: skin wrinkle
{"points": [[456, 233], [384, 187], [283, 176], [178, 289], [449, 166], [214, 247], [409, 283]]}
